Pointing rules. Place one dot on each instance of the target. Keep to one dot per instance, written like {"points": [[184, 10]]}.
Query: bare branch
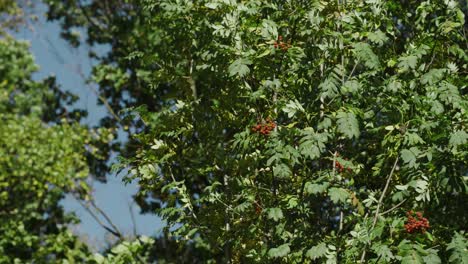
{"points": [[394, 207], [109, 221], [96, 218], [132, 216]]}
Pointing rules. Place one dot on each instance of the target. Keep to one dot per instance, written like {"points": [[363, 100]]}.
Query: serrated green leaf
{"points": [[449, 94], [317, 251], [412, 257], [281, 170], [436, 107], [412, 139], [275, 213], [394, 86], [351, 87], [313, 143], [384, 252], [239, 67], [377, 37], [432, 257], [365, 54], [432, 76], [348, 124], [314, 188], [279, 252], [408, 62], [292, 107], [338, 194], [409, 156], [458, 247], [458, 138]]}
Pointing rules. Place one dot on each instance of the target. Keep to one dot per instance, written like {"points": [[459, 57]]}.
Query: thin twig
{"points": [[394, 207], [334, 164], [96, 218], [96, 92], [132, 217], [376, 215], [352, 71], [334, 175], [341, 220], [227, 222], [109, 221], [432, 52], [384, 192], [88, 18]]}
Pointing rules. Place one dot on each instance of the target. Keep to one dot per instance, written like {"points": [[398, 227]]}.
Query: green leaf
{"points": [[317, 251], [449, 94], [275, 213], [351, 87], [239, 67], [394, 86], [281, 170], [338, 194], [383, 251], [264, 53], [365, 54], [269, 29], [212, 5], [314, 188], [432, 76], [458, 247], [329, 86], [432, 257], [348, 124], [408, 62], [409, 156], [436, 107], [412, 139], [292, 107], [279, 252], [377, 37], [98, 258], [458, 138], [313, 143], [324, 124], [412, 257]]}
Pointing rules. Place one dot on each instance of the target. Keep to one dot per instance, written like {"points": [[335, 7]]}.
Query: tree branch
{"points": [[389, 178], [116, 233], [132, 216], [100, 97], [394, 207], [109, 221], [379, 204]]}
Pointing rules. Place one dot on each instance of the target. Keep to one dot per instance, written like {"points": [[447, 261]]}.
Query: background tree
{"points": [[42, 156]]}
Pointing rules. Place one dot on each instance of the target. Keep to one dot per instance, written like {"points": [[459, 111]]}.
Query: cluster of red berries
{"points": [[340, 166], [282, 45], [264, 128], [416, 224]]}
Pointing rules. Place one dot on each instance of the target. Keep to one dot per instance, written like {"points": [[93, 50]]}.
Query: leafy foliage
{"points": [[377, 86], [39, 162]]}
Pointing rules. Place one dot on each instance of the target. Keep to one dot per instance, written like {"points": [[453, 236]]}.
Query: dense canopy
{"points": [[260, 131]]}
